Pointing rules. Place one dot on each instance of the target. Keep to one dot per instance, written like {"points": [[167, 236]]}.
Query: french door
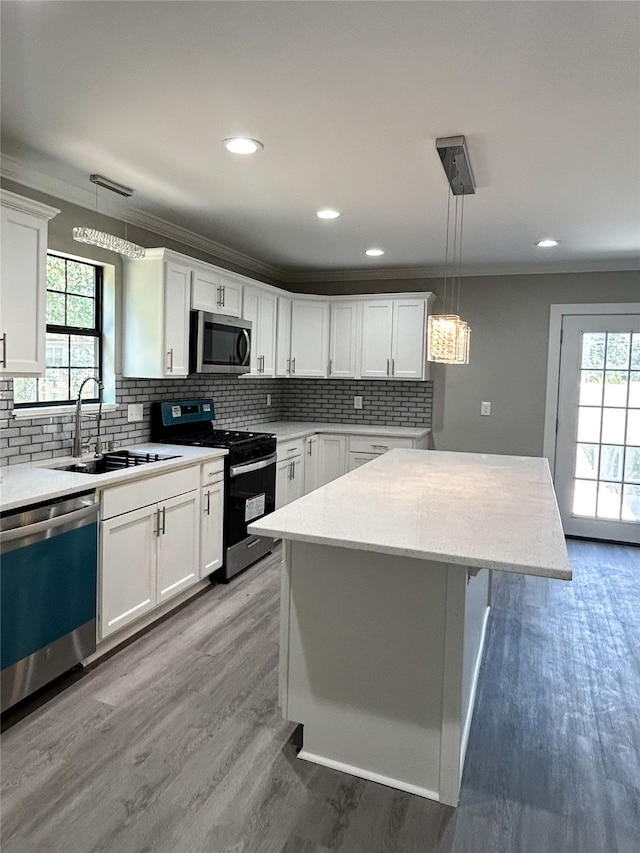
{"points": [[597, 452]]}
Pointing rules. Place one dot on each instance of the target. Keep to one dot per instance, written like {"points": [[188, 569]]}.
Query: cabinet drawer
{"points": [[289, 449], [212, 472], [377, 443], [150, 490]]}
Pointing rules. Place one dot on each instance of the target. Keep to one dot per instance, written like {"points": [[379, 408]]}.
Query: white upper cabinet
{"points": [[303, 337], [157, 297], [394, 338], [259, 306], [342, 340], [214, 292], [23, 284], [377, 334], [283, 344], [309, 338]]}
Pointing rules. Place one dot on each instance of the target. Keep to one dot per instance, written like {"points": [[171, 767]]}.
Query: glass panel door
{"points": [[597, 474]]}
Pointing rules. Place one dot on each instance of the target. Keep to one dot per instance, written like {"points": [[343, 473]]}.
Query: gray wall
{"points": [[509, 317]]}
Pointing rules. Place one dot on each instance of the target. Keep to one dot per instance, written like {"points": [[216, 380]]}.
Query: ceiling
{"points": [[348, 99]]}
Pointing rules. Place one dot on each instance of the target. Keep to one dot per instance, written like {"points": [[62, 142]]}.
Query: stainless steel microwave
{"points": [[219, 344]]}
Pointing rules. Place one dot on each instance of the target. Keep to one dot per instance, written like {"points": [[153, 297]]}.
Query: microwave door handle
{"points": [[244, 359]]}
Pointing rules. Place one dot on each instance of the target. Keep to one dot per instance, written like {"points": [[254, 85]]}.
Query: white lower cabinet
{"points": [[211, 513], [290, 484], [332, 457], [149, 545], [364, 448]]}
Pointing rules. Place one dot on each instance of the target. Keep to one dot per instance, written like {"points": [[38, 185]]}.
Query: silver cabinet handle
{"points": [[387, 367], [164, 519], [222, 289], [4, 349], [330, 365], [208, 509], [393, 367], [293, 364], [219, 291], [170, 354], [288, 365], [158, 521], [309, 446], [293, 469], [380, 446]]}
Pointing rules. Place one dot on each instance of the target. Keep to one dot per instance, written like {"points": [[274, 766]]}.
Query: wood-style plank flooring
{"points": [[176, 744]]}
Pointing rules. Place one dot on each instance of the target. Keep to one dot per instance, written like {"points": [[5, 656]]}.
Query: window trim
{"points": [[33, 408]]}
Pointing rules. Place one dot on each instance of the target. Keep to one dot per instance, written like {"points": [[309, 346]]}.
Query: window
{"points": [[74, 336]]}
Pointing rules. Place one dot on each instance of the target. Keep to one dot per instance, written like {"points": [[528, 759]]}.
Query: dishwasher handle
{"points": [[30, 533]]}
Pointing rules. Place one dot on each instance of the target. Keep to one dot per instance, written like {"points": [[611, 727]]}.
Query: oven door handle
{"points": [[236, 470]]}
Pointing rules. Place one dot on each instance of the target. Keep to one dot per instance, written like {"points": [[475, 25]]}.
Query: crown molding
{"points": [[14, 169], [475, 271]]}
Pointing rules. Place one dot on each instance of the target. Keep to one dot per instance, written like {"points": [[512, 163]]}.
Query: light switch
{"points": [[485, 408], [135, 412], [357, 402]]}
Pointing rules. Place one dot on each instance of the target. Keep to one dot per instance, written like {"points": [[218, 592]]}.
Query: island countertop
{"points": [[478, 510]]}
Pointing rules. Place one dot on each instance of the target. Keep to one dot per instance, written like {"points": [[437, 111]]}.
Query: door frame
{"points": [[556, 317]]}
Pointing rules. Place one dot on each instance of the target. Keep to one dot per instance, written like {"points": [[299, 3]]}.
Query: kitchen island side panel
{"points": [[365, 662]]}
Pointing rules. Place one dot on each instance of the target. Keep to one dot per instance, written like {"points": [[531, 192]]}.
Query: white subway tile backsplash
{"points": [[239, 403]]}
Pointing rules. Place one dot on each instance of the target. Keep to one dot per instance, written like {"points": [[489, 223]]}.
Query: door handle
{"points": [[293, 362], [222, 289], [208, 509], [309, 446], [219, 296], [170, 354], [4, 349], [158, 521], [330, 365], [288, 365], [387, 367], [164, 519], [393, 367]]}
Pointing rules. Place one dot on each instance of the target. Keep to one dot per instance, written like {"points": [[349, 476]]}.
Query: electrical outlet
{"points": [[485, 408], [357, 402], [268, 399], [135, 412]]}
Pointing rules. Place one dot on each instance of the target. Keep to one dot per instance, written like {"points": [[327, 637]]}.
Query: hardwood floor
{"points": [[176, 744]]}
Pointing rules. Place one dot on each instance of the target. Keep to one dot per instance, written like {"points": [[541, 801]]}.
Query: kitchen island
{"points": [[386, 587]]}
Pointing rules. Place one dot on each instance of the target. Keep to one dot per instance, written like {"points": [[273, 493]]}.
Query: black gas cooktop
{"points": [[190, 422]]}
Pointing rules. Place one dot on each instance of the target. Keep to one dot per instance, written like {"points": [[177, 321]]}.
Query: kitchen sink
{"points": [[115, 460]]}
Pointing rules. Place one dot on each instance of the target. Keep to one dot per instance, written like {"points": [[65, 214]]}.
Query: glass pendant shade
{"points": [[448, 339], [108, 241]]}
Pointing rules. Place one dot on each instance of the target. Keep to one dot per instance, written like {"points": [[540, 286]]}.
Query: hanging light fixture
{"points": [[449, 337], [100, 238]]}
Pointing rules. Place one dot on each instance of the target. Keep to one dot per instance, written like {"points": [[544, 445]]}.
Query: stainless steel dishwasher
{"points": [[48, 576]]}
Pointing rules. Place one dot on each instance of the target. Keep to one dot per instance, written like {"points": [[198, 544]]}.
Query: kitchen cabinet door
{"points": [[128, 568], [211, 514], [283, 337], [23, 285], [311, 464], [178, 545], [342, 340], [230, 300], [289, 480], [177, 300], [309, 338], [157, 300], [377, 332], [205, 290], [259, 306], [332, 453], [409, 329]]}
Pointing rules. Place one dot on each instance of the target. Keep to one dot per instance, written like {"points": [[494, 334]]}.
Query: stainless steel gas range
{"points": [[250, 474]]}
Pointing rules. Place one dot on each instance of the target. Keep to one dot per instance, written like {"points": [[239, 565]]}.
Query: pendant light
{"points": [[449, 337], [100, 238]]}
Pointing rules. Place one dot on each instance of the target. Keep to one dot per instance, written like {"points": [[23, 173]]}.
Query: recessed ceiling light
{"points": [[328, 213], [374, 253], [242, 145], [547, 243]]}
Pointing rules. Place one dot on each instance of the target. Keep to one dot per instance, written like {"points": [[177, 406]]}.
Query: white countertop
{"points": [[485, 511], [26, 484], [289, 430]]}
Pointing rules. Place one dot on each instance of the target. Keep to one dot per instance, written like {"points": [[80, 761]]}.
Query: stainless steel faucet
{"points": [[77, 434]]}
